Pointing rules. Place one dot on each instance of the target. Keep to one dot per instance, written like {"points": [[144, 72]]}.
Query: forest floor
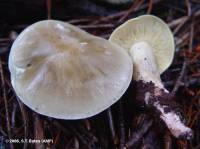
{"points": [[124, 125]]}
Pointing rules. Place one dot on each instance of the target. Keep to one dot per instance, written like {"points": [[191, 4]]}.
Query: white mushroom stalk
{"points": [[146, 70], [150, 44], [145, 67]]}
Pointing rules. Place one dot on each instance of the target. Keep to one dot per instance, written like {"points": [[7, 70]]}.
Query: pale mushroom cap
{"points": [[150, 29], [60, 71]]}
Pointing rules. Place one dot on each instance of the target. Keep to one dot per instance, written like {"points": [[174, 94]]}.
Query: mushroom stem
{"points": [[152, 93]]}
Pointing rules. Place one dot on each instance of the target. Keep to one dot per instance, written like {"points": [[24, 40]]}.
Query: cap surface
{"points": [[150, 29], [61, 71]]}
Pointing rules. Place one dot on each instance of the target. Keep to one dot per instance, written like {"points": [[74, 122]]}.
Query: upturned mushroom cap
{"points": [[150, 29], [60, 71]]}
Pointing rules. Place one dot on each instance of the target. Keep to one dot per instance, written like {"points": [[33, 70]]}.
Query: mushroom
{"points": [[150, 43], [59, 70]]}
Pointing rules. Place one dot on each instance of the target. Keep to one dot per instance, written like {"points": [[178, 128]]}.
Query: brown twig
{"points": [[25, 121], [108, 18], [56, 140], [150, 6], [60, 127], [188, 5], [85, 132], [167, 140], [184, 20], [150, 140], [190, 82], [139, 132], [82, 20], [96, 26], [136, 5], [13, 115], [121, 13], [183, 70], [38, 131], [178, 21], [5, 103], [48, 5], [121, 125], [76, 143], [3, 132], [179, 80], [175, 22], [183, 40], [111, 126], [83, 139], [191, 36], [87, 124]]}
